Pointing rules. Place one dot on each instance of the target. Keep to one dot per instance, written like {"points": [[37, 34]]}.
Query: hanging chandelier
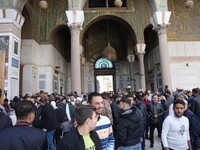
{"points": [[109, 52], [189, 3], [43, 4]]}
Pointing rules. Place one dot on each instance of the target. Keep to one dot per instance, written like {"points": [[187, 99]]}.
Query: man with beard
{"points": [[175, 131], [155, 113], [103, 127]]}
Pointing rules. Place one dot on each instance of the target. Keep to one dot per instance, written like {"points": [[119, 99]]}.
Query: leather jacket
{"points": [[151, 113]]}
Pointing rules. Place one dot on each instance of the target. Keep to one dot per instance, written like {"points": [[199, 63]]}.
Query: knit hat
{"points": [[79, 98], [53, 104], [125, 100]]}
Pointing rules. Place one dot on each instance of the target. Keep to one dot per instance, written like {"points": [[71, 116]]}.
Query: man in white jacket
{"points": [[175, 130]]}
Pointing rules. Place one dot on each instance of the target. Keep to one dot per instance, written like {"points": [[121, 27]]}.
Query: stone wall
{"points": [[185, 65], [42, 64]]}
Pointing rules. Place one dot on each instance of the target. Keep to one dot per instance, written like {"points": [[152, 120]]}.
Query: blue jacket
{"points": [[23, 137]]}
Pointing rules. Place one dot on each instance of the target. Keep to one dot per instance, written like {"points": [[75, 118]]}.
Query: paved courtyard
{"points": [[157, 144]]}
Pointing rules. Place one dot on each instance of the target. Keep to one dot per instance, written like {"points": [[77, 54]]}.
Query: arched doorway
{"points": [[104, 72]]}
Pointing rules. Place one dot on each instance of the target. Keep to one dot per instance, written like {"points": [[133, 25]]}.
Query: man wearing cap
{"points": [[22, 136], [49, 122], [78, 101], [130, 127]]}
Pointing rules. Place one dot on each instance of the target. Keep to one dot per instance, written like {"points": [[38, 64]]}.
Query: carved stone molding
{"points": [[181, 59], [75, 28], [10, 27], [161, 29]]}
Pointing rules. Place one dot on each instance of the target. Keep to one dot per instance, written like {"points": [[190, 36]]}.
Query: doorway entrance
{"points": [[105, 80], [104, 75], [104, 83]]}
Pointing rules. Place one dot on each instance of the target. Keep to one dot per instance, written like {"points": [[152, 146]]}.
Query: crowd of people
{"points": [[107, 121]]}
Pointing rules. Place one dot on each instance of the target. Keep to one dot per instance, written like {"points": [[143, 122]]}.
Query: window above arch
{"points": [[103, 63], [104, 3]]}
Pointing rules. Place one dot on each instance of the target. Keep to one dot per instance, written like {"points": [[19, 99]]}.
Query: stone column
{"points": [[160, 21], [75, 21], [164, 56], [82, 73], [131, 59], [140, 53], [75, 29], [11, 22], [2, 74]]}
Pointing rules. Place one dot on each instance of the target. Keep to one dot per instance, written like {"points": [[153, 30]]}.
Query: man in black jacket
{"points": [[83, 137], [49, 122], [130, 126], [22, 136], [195, 102], [115, 114], [140, 105], [155, 113]]}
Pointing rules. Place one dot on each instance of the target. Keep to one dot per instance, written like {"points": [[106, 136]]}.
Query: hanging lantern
{"points": [[43, 4], [118, 3], [110, 53], [189, 3]]}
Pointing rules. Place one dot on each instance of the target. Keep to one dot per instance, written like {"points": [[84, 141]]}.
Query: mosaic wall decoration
{"points": [[103, 63]]}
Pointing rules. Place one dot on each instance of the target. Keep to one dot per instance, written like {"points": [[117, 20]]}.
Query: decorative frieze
{"points": [[11, 16], [10, 27]]}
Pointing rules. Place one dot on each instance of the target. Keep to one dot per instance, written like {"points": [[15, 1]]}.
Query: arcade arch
{"points": [[95, 38]]}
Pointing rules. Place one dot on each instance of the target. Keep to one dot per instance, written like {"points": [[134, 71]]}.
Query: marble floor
{"points": [[157, 144]]}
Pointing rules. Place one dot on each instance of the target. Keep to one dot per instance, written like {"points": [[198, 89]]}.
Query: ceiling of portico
{"points": [[61, 39], [97, 35]]}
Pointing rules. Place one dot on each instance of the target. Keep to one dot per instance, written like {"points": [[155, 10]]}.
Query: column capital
{"points": [[160, 21], [75, 26], [131, 58], [161, 29], [140, 49]]}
